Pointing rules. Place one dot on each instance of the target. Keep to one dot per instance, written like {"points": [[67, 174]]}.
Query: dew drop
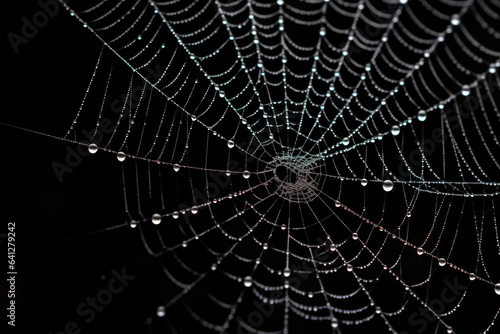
{"points": [[337, 203], [184, 244], [378, 310], [247, 281], [465, 90], [497, 288], [345, 141], [422, 115], [230, 143], [160, 311], [287, 272], [395, 130], [265, 246], [133, 224], [246, 174], [364, 182], [349, 267], [355, 236], [449, 330], [333, 248], [194, 210], [175, 214], [92, 148], [283, 227], [176, 167], [455, 19], [310, 294], [120, 156], [156, 219], [441, 262], [387, 185], [472, 276], [335, 323], [420, 251]]}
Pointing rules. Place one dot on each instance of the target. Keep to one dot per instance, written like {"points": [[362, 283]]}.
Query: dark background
{"points": [[60, 260]]}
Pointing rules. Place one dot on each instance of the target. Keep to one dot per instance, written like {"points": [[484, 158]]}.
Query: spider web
{"points": [[305, 165]]}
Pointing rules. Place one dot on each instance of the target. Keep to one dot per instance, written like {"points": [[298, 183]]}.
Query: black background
{"points": [[60, 260]]}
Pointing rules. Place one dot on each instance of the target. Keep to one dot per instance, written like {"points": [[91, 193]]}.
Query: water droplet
{"points": [[260, 64], [175, 214], [349, 267], [265, 246], [364, 182], [449, 330], [160, 311], [472, 276], [420, 251], [422, 115], [246, 174], [230, 143], [176, 167], [310, 294], [403, 1], [455, 19], [335, 323], [222, 94], [120, 156], [337, 203], [497, 288], [133, 223], [378, 310], [184, 244], [194, 210], [92, 148], [283, 227], [322, 31], [247, 281], [441, 262], [287, 272], [492, 69], [465, 90], [156, 219], [355, 236], [345, 141], [395, 130], [333, 248], [387, 185]]}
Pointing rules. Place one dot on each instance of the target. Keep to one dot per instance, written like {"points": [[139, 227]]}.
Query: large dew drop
{"points": [[120, 156], [497, 288], [156, 219], [387, 185], [364, 182], [442, 262], [230, 143], [246, 174], [247, 281], [176, 168], [160, 311], [422, 115], [92, 148], [395, 130], [287, 272]]}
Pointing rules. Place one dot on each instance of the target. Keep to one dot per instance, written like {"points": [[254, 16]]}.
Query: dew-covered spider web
{"points": [[292, 166]]}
